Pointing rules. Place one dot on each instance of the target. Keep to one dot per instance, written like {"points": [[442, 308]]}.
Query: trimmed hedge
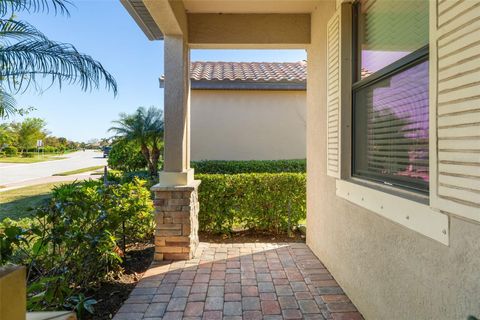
{"points": [[251, 166], [263, 202]]}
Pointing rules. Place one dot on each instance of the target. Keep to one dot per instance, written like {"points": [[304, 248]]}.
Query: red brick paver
{"points": [[240, 281]]}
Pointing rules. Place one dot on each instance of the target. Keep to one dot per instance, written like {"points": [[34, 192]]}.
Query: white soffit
{"points": [[250, 6]]}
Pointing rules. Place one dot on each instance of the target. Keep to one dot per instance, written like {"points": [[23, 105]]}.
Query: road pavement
{"points": [[13, 174]]}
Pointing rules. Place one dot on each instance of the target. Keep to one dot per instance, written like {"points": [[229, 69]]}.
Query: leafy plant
{"points": [[75, 240], [12, 235], [81, 304], [126, 156], [26, 54], [10, 151]]}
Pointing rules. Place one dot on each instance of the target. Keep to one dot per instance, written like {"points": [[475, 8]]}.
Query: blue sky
{"points": [[104, 30]]}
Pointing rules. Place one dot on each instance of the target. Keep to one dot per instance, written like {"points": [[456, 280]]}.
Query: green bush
{"points": [[252, 166], [75, 240], [10, 151], [49, 149], [126, 156], [117, 176], [263, 202]]}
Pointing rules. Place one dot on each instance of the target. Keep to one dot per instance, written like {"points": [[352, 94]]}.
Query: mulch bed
{"points": [[111, 295]]}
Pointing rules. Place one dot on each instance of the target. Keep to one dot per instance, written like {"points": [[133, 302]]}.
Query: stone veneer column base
{"points": [[176, 217]]}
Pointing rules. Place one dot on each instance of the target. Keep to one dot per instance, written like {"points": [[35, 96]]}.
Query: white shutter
{"points": [[455, 109], [333, 95]]}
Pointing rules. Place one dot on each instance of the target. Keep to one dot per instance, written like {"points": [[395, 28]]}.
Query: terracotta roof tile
{"points": [[364, 73], [249, 71]]}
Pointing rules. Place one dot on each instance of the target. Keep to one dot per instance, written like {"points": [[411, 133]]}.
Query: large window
{"points": [[390, 93]]}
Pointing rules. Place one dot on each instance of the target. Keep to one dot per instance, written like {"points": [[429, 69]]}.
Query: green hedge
{"points": [[252, 166], [263, 202]]}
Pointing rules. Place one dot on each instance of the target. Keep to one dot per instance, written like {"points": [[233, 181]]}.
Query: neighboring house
{"points": [[393, 154], [248, 110]]}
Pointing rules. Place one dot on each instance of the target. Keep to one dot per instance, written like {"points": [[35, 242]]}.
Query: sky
{"points": [[104, 30]]}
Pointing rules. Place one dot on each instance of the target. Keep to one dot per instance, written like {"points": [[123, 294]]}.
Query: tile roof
{"points": [[263, 72], [364, 73]]}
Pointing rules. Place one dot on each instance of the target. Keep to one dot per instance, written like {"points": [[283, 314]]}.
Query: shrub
{"points": [[251, 166], [28, 154], [117, 176], [10, 151], [74, 240], [49, 149], [126, 156], [259, 201]]}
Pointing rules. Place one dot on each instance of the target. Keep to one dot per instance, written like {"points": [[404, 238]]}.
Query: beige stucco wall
{"points": [[389, 271], [248, 125]]}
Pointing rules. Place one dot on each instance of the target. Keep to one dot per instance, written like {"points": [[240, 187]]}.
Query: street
{"points": [[19, 173]]}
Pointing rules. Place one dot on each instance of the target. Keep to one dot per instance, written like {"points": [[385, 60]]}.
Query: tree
{"points": [[27, 55], [28, 132], [144, 127], [6, 135]]}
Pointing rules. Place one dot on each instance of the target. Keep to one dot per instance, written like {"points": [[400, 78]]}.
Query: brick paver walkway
{"points": [[240, 281]]}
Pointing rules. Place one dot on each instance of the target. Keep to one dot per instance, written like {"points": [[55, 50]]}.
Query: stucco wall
{"points": [[246, 125], [389, 271]]}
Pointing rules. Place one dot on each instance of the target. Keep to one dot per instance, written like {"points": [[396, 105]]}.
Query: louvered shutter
{"points": [[455, 98], [333, 95]]}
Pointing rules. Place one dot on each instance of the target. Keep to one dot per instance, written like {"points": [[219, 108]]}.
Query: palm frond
{"points": [[8, 104], [23, 62], [8, 7], [143, 126], [18, 30]]}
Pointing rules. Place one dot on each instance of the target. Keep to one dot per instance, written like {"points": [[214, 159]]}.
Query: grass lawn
{"points": [[29, 160], [15, 203], [69, 173]]}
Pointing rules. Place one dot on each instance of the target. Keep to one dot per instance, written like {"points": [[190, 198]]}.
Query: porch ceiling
{"points": [[227, 23]]}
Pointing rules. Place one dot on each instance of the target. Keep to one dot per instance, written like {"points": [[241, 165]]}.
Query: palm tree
{"points": [[144, 127], [27, 55]]}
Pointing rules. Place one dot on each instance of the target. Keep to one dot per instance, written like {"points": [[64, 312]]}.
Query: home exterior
{"points": [[393, 132], [248, 110]]}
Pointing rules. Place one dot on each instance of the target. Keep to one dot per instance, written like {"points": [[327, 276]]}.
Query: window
{"points": [[390, 93]]}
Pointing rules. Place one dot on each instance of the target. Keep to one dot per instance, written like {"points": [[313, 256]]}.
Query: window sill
{"points": [[408, 210]]}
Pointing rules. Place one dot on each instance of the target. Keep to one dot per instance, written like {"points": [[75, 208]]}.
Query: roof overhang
{"points": [[244, 85], [141, 15]]}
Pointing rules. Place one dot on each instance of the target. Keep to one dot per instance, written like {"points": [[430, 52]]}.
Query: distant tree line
{"points": [[20, 138]]}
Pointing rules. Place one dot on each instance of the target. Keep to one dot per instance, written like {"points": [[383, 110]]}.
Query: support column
{"points": [[176, 217], [177, 169], [176, 195]]}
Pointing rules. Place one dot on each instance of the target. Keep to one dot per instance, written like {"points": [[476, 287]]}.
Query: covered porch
{"points": [[187, 25], [190, 279]]}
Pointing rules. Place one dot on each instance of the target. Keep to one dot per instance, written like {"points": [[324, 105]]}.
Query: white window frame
{"points": [[406, 208]]}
